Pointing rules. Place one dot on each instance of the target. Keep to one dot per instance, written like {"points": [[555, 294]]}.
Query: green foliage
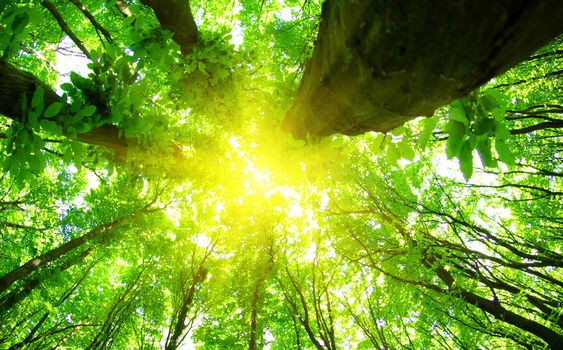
{"points": [[473, 121], [15, 23], [179, 204]]}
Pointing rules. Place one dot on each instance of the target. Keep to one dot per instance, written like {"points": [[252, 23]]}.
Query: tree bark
{"points": [[15, 296], [252, 344], [176, 16], [493, 307], [26, 269], [15, 83], [175, 339], [29, 267], [377, 64]]}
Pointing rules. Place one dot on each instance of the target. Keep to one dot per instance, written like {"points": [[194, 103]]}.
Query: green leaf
{"points": [[32, 119], [75, 106], [67, 156], [38, 142], [498, 113], [504, 153], [376, 143], [466, 160], [37, 101], [35, 16], [88, 111], [24, 104], [484, 150], [71, 132], [456, 133], [483, 126], [202, 67], [457, 113], [77, 150], [76, 78], [36, 163], [493, 94], [393, 154], [501, 131], [406, 151], [429, 125], [398, 131], [487, 102], [20, 22], [51, 127], [191, 67], [7, 166], [53, 110], [82, 128], [67, 87]]}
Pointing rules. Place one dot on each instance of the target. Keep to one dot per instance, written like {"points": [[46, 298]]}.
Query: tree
{"points": [[151, 200], [374, 61], [503, 38], [457, 263]]}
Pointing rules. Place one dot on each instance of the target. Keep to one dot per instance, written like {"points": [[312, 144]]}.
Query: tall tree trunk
{"points": [[254, 316], [32, 265], [179, 327], [377, 64], [122, 309], [262, 274], [15, 296], [31, 336]]}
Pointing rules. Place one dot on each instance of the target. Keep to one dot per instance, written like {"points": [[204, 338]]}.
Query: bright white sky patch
{"points": [[236, 30], [287, 14], [236, 35], [67, 62]]}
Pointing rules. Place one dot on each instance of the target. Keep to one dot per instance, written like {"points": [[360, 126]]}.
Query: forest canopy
{"points": [[281, 174]]}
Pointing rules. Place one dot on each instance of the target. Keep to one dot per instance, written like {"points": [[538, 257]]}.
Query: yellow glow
{"points": [[253, 187]]}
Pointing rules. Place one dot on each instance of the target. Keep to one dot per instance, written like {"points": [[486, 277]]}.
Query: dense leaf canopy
{"points": [[150, 199]]}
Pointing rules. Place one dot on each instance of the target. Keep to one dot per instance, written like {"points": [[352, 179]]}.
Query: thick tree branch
{"points": [[178, 328], [16, 83], [36, 263], [377, 64], [92, 20], [32, 265], [12, 298], [64, 26], [176, 16]]}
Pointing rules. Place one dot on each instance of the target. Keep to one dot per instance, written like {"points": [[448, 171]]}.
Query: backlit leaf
{"points": [[466, 160], [53, 110]]}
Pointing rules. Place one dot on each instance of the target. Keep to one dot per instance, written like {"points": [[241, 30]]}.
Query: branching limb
{"points": [[92, 20], [64, 26]]}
